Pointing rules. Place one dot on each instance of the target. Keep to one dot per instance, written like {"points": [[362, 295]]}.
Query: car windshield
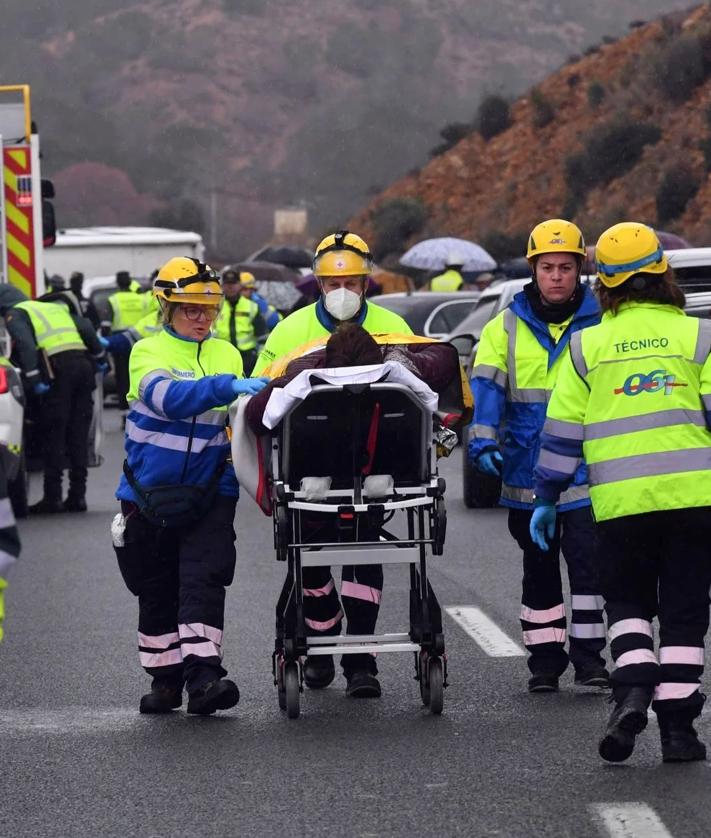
{"points": [[481, 315]]}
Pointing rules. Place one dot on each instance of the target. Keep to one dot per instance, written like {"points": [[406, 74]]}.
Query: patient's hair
{"points": [[351, 346]]}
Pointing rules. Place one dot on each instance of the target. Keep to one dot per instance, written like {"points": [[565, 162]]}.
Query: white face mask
{"points": [[342, 303]]}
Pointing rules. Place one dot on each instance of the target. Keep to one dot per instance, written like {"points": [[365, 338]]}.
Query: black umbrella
{"points": [[268, 271], [289, 255]]}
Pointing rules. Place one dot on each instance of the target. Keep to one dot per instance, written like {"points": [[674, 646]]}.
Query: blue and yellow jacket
{"points": [[517, 365], [178, 397]]}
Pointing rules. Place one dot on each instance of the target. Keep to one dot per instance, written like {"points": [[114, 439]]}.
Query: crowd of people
{"points": [[593, 406]]}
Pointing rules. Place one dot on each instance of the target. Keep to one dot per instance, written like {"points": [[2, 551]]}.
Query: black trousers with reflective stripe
{"points": [[658, 564], [361, 614], [179, 577], [65, 421], [575, 536]]}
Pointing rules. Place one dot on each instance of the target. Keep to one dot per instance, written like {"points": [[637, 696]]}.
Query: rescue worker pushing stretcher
{"points": [[634, 398], [174, 537], [517, 363], [342, 264]]}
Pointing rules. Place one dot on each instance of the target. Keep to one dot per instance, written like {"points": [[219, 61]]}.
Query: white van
{"points": [[102, 251]]}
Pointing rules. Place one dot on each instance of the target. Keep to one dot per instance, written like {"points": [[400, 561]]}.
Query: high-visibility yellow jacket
{"points": [[633, 397], [53, 326], [127, 308], [312, 322], [450, 280], [517, 365], [236, 323]]}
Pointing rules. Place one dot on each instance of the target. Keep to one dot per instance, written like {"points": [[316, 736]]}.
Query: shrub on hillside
{"points": [[705, 147], [596, 93], [394, 221], [543, 110], [451, 134], [503, 245], [676, 188], [680, 67], [493, 116], [610, 150]]}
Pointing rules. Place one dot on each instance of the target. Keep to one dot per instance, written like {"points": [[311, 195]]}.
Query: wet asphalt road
{"points": [[76, 758]]}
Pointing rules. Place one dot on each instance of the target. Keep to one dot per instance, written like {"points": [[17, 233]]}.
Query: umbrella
{"points": [[289, 255], [436, 254], [276, 283]]}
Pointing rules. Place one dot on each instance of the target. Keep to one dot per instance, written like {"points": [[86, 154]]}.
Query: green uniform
{"points": [[308, 324], [53, 326], [127, 308], [236, 323], [634, 396], [450, 280]]}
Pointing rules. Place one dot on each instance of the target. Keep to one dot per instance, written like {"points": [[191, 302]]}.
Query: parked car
{"points": [[692, 268], [430, 314]]}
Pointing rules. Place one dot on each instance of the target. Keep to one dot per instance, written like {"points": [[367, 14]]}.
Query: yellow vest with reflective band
{"points": [[244, 311], [636, 389], [450, 280], [151, 324], [53, 326], [128, 308], [303, 326]]}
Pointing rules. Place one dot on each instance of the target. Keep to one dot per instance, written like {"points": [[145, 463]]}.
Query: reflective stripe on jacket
{"points": [[53, 326], [634, 396], [235, 323], [128, 308], [516, 367], [178, 397], [311, 322]]}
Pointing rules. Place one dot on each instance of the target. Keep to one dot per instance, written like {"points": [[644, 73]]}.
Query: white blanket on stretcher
{"points": [[283, 399]]}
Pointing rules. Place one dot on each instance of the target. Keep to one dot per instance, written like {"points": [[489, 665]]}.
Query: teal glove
{"points": [[105, 342], [542, 524], [490, 462], [248, 386]]}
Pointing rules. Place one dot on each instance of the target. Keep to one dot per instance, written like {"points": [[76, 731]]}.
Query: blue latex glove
{"points": [[248, 386], [103, 367], [542, 524], [490, 462], [105, 342], [40, 388]]}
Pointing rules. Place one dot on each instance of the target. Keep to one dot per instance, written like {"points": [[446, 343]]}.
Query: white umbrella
{"points": [[436, 254]]}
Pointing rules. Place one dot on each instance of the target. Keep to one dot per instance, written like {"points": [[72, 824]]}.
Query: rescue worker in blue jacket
{"points": [[174, 536], [58, 352], [517, 363]]}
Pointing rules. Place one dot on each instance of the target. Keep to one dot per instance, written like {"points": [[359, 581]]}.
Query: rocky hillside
{"points": [[213, 112], [624, 132]]}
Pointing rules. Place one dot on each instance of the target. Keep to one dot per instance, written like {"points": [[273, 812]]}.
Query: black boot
{"points": [[163, 697], [680, 742], [540, 682], [319, 671], [217, 695], [627, 721], [46, 506], [362, 684], [74, 503], [594, 675]]}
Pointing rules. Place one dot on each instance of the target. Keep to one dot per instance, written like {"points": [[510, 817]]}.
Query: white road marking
{"points": [[484, 631], [629, 820], [33, 722]]}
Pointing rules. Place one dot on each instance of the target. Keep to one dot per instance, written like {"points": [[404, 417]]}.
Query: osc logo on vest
{"points": [[652, 382]]}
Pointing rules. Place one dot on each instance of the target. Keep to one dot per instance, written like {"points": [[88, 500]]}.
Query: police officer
{"points": [[174, 538], [634, 397], [342, 264], [451, 279], [57, 352], [239, 321], [269, 314], [88, 309], [125, 308], [517, 364]]}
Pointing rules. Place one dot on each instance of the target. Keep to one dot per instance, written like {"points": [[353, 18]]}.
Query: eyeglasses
{"points": [[195, 313]]}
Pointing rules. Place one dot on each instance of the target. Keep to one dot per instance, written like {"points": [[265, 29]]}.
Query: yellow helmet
{"points": [[342, 254], [247, 279], [627, 249], [555, 236], [186, 280]]}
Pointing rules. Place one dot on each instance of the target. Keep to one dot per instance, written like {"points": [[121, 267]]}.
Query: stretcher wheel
{"points": [[291, 690], [436, 686], [281, 692], [424, 684]]}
